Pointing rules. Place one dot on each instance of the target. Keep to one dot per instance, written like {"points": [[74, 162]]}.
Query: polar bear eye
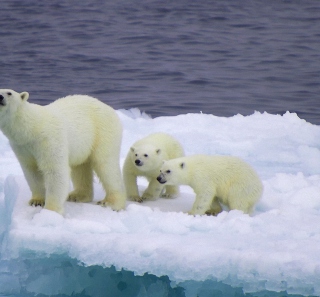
{"points": [[168, 171], [146, 155], [9, 93]]}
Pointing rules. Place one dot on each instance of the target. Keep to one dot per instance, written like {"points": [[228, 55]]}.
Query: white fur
{"points": [[76, 131], [215, 179], [150, 152]]}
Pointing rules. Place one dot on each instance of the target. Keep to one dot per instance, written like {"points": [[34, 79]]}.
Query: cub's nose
{"points": [[138, 162]]}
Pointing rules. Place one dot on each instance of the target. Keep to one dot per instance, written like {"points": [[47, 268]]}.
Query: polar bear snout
{"points": [[2, 101], [138, 162], [161, 179]]}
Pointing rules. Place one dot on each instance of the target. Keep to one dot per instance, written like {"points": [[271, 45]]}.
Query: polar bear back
{"points": [[90, 115], [220, 169]]}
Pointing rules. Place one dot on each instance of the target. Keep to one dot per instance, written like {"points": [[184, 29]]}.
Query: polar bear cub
{"points": [[214, 179], [145, 158], [77, 132]]}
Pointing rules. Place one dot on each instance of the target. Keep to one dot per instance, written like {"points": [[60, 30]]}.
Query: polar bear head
{"points": [[11, 100], [146, 157], [173, 172]]}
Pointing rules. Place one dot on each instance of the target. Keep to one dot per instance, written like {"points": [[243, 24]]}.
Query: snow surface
{"points": [[277, 248]]}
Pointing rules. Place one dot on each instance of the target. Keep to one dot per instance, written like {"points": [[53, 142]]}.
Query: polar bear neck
{"points": [[19, 126]]}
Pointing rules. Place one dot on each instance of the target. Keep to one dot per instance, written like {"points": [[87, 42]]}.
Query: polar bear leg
{"points": [[109, 174], [112, 184], [82, 179], [235, 202], [153, 190], [242, 198], [215, 208], [32, 174], [203, 202], [57, 185], [171, 192], [130, 181], [35, 181]]}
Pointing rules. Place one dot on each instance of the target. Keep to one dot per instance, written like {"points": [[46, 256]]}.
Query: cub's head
{"points": [[173, 172], [10, 100], [146, 157]]}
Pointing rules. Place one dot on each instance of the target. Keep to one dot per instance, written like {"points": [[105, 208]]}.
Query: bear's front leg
{"points": [[202, 203], [130, 182], [153, 191], [32, 174], [57, 185], [171, 192]]}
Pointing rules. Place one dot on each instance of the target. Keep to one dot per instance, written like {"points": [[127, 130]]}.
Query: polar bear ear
{"points": [[132, 149], [158, 151], [182, 165], [24, 96]]}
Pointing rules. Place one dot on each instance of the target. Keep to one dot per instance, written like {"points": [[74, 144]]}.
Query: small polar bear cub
{"points": [[215, 179], [76, 132], [145, 158]]}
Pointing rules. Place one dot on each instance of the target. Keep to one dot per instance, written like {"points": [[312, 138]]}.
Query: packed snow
{"points": [[277, 248]]}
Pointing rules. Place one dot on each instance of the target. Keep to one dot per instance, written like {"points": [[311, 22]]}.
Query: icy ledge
{"points": [[45, 253]]}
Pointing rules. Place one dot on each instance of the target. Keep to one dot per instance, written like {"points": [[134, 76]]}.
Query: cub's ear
{"points": [[182, 165], [24, 96], [132, 149], [158, 151]]}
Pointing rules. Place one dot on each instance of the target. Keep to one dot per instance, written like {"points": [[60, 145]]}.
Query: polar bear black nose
{"points": [[138, 162], [160, 180], [1, 97]]}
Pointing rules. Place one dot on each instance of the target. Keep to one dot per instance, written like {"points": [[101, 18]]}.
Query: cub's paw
{"points": [[79, 197], [169, 196], [148, 196], [37, 202]]}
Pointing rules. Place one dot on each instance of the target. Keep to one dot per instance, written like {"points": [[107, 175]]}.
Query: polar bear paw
{"points": [[148, 196], [169, 196], [75, 196], [115, 202], [37, 201]]}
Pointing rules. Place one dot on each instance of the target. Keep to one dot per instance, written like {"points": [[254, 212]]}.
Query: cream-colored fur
{"points": [[77, 132], [215, 179], [145, 158]]}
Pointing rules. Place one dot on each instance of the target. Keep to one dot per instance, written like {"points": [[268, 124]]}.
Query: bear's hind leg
{"points": [[82, 179], [215, 208], [109, 174]]}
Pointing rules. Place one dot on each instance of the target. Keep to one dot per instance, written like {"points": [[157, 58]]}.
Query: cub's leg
{"points": [[171, 192], [153, 191], [203, 202], [215, 208], [130, 182]]}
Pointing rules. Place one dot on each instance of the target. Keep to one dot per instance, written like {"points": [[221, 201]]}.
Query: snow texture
{"points": [[91, 248]]}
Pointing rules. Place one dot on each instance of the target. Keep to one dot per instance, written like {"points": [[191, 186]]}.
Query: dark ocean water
{"points": [[167, 57]]}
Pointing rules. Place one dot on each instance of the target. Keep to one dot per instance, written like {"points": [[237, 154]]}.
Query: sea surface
{"points": [[167, 57]]}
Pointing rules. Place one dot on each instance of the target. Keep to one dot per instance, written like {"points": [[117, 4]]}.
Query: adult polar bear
{"points": [[76, 131], [215, 179]]}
